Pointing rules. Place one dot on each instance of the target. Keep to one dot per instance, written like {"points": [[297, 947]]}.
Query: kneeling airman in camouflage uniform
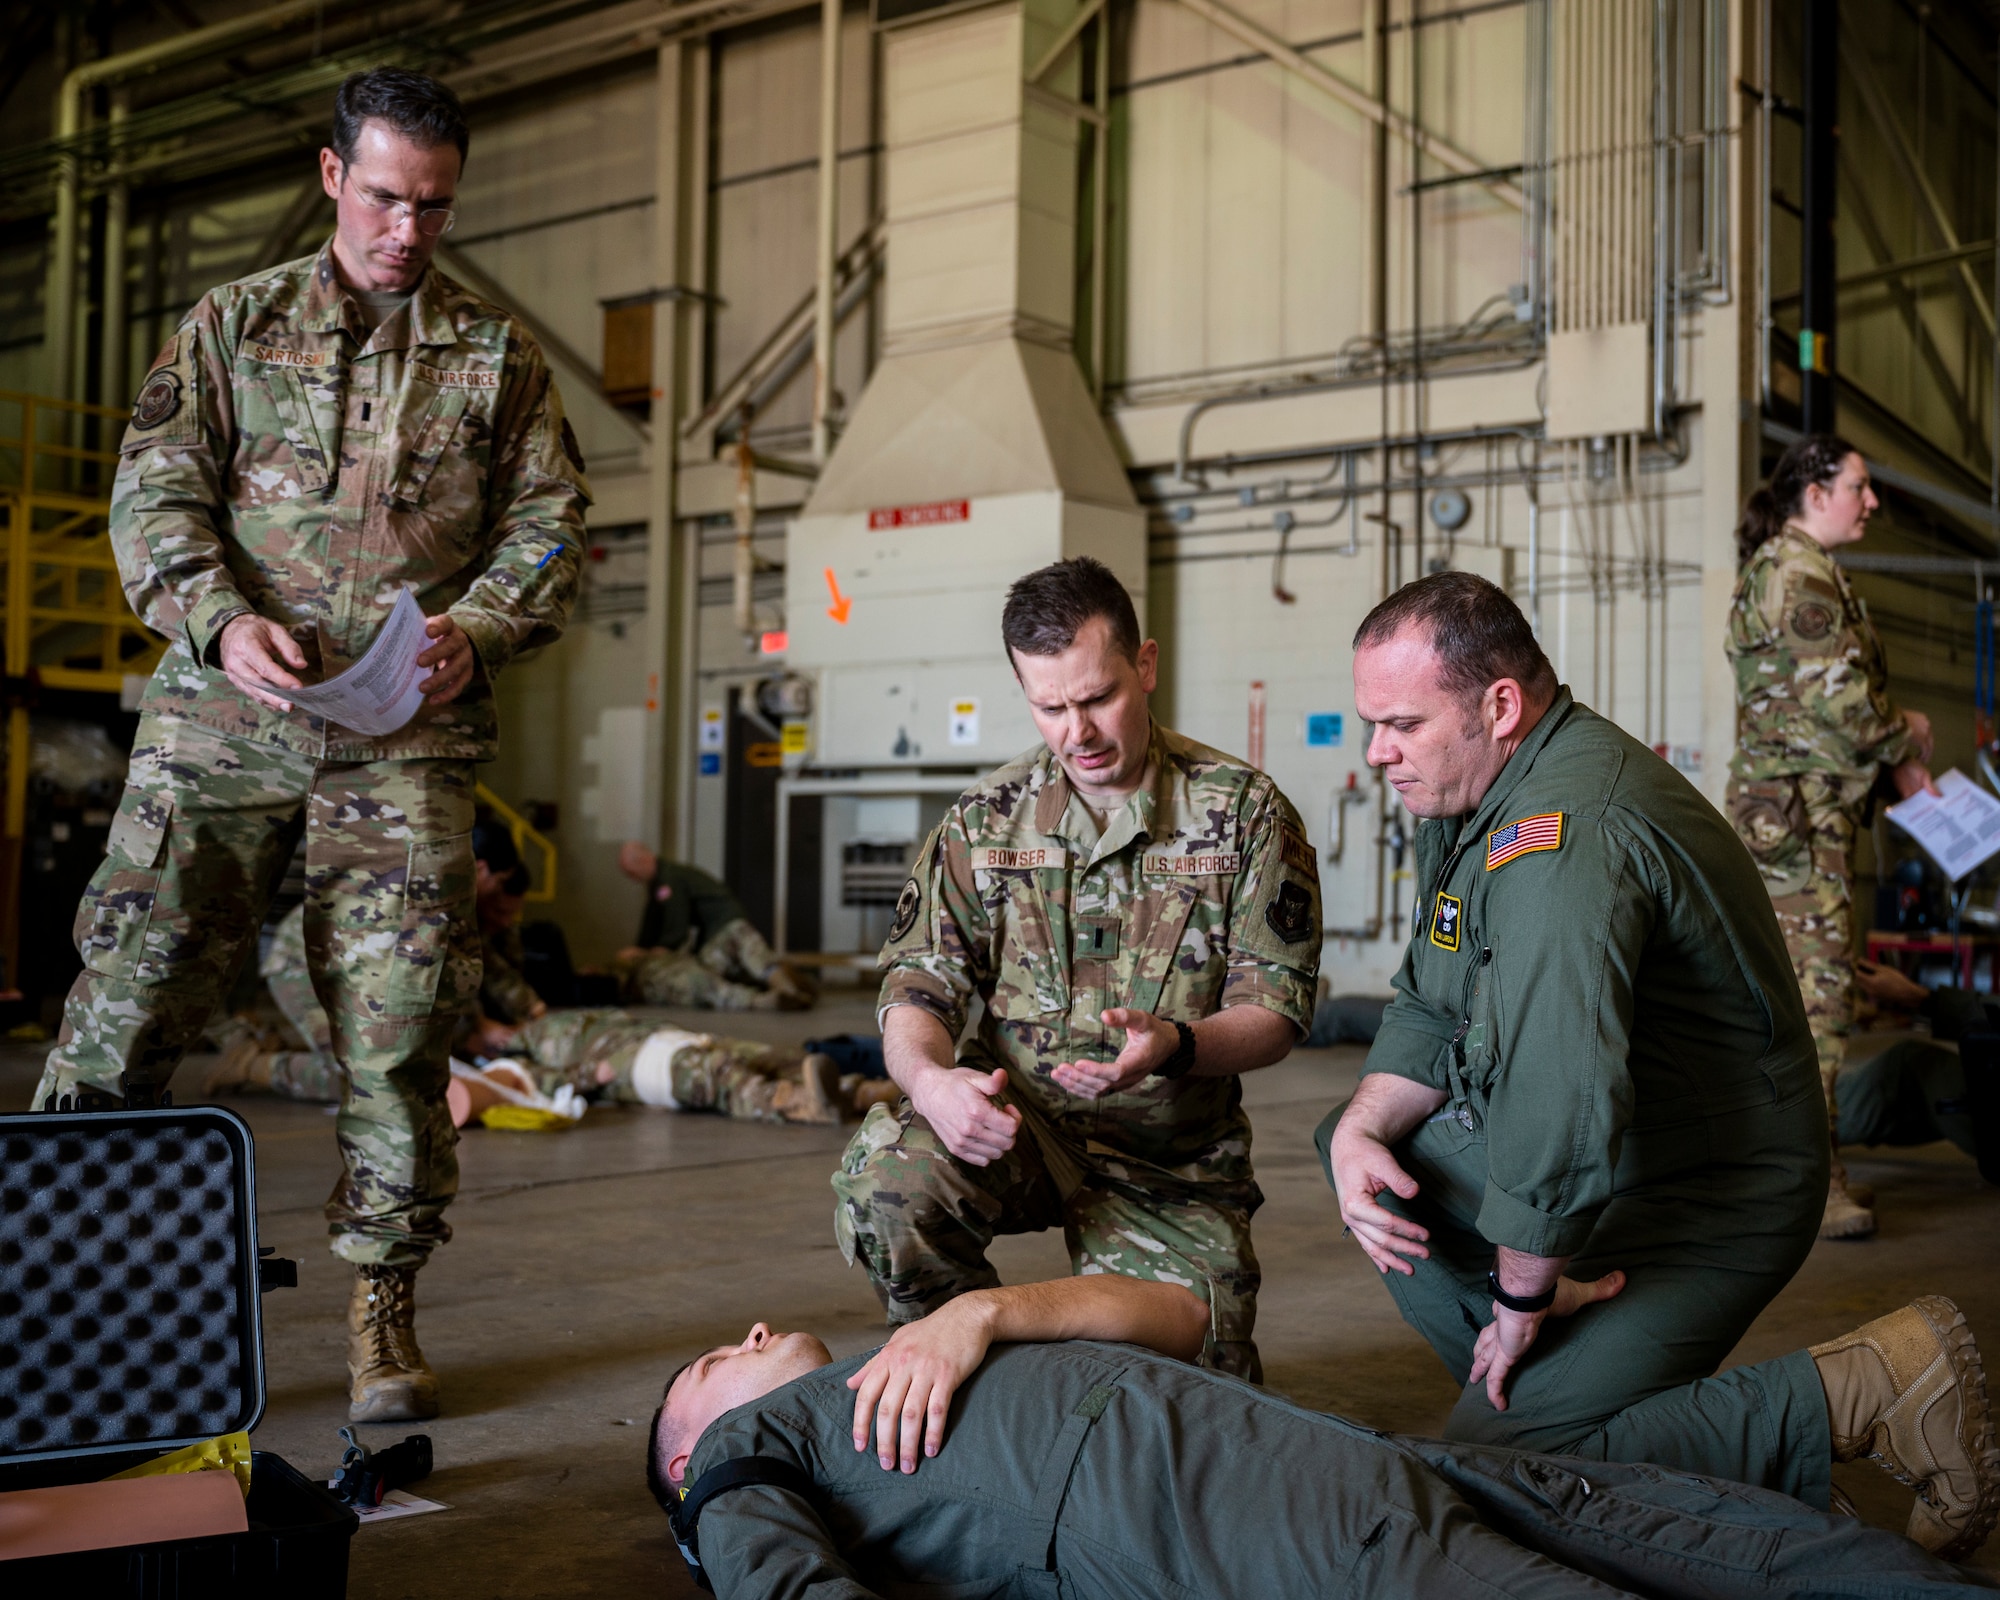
{"points": [[313, 440], [1140, 916], [1815, 731]]}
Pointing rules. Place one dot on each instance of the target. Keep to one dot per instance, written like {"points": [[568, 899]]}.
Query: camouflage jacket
{"points": [[1202, 893], [283, 460], [1811, 681]]}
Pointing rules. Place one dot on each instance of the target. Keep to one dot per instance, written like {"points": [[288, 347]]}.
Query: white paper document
{"points": [[1959, 826], [378, 693], [396, 1503]]}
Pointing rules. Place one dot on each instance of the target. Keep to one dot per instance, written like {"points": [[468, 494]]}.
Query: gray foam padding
{"points": [[121, 1272]]}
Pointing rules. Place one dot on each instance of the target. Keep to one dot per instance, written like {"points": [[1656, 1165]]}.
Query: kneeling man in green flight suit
{"points": [[1016, 1451], [1596, 1061]]}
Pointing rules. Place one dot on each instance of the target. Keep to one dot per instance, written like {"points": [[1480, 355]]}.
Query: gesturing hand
{"points": [[255, 653], [958, 1103], [1148, 1042], [903, 1395], [1362, 1168], [1507, 1338]]}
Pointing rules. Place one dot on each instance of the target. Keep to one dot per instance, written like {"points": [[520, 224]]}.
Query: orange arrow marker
{"points": [[841, 603]]}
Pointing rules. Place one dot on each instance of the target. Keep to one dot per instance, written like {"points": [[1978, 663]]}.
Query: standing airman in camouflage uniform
{"points": [[311, 441], [1140, 916], [1815, 731]]}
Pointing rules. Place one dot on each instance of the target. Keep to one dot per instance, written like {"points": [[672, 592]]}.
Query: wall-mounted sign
{"points": [[711, 728], [965, 721], [794, 737], [1323, 728], [925, 516], [711, 763]]}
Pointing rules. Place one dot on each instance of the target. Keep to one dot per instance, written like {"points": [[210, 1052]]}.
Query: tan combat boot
{"points": [[815, 1097], [1907, 1391], [1847, 1214], [389, 1380], [245, 1068]]}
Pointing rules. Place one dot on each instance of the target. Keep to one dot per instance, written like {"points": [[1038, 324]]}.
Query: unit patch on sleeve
{"points": [[1289, 915], [1444, 922], [1530, 834], [907, 905], [157, 402]]}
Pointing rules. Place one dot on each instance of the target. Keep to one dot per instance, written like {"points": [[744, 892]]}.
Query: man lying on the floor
{"points": [[1117, 1470], [615, 1056]]}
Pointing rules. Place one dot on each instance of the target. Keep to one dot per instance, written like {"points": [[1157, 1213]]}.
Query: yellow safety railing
{"points": [[524, 834]]}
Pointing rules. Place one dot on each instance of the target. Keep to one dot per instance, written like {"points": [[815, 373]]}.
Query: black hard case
{"points": [[130, 1324]]}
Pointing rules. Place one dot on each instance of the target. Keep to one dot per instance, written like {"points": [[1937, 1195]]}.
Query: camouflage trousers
{"points": [[739, 953], [920, 1220], [675, 978], [202, 835], [597, 1051], [1809, 871]]}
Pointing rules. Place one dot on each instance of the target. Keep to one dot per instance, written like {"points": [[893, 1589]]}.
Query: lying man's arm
{"points": [[903, 1394]]}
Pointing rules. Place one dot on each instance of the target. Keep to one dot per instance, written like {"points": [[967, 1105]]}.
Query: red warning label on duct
{"points": [[926, 516]]}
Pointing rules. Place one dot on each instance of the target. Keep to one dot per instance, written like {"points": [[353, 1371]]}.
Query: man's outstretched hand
{"points": [[1508, 1337], [903, 1395], [1148, 1043]]}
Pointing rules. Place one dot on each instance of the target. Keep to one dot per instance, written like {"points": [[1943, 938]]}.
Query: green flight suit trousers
{"points": [[202, 836], [1710, 1219]]}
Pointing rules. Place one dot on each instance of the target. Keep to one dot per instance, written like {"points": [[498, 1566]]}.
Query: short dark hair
{"points": [[1048, 608], [418, 108], [1479, 634], [493, 843], [658, 1450]]}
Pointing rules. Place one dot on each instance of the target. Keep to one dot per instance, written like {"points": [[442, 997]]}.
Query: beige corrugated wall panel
{"points": [[766, 117]]}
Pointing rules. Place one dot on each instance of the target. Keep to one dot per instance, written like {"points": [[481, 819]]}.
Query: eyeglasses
{"points": [[433, 221]]}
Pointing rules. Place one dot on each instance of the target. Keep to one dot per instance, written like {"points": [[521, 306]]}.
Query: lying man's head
{"points": [[716, 1381]]}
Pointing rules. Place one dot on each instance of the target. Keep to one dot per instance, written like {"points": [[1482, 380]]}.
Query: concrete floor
{"points": [[588, 1264]]}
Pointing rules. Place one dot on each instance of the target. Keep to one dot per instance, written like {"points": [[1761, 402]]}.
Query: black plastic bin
{"points": [[131, 1323], [296, 1549]]}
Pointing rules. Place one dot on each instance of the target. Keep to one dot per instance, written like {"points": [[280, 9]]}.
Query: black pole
{"points": [[1822, 143]]}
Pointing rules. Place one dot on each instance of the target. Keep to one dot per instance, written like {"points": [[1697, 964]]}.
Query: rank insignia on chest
{"points": [[1524, 838], [1445, 920]]}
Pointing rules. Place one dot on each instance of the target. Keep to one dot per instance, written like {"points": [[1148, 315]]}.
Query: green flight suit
{"points": [[1105, 1472], [1597, 983]]}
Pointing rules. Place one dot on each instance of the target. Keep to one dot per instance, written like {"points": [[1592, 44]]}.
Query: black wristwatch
{"points": [[1178, 1064], [1520, 1302]]}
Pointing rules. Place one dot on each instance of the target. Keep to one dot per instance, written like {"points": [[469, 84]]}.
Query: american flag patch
{"points": [[1524, 837]]}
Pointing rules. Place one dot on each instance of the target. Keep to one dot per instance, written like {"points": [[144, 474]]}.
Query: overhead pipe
{"points": [[825, 326], [1822, 142], [60, 302], [113, 365]]}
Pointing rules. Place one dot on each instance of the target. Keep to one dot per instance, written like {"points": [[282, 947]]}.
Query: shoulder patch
{"points": [[1525, 837], [1812, 620], [908, 903], [158, 401], [1445, 920], [1297, 851], [1289, 915]]}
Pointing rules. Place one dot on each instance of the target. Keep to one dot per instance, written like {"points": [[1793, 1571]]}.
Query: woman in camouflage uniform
{"points": [[1815, 733]]}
